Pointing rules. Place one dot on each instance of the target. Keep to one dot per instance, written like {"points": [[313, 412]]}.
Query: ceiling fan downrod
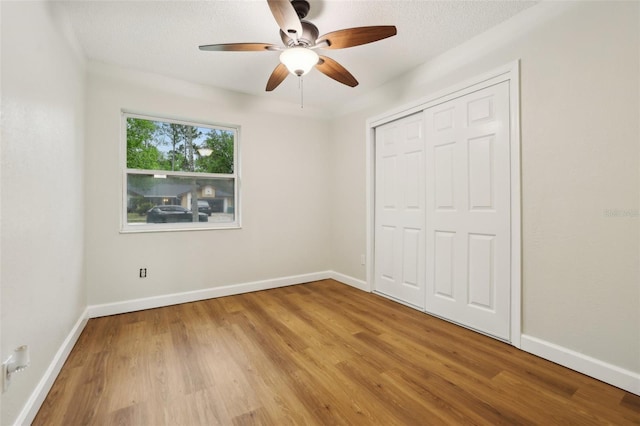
{"points": [[301, 7]]}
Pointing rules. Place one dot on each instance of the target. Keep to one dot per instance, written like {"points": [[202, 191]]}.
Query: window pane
{"points": [[173, 199], [157, 145]]}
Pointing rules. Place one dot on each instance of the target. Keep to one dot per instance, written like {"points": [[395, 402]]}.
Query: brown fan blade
{"points": [[286, 17], [277, 76], [238, 47], [350, 37], [332, 69]]}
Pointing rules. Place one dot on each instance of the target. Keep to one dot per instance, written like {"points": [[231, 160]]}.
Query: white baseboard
{"points": [[33, 404], [194, 296], [608, 373], [353, 282], [616, 376]]}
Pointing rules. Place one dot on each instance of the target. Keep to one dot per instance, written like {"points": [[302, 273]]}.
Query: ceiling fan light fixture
{"points": [[299, 60], [204, 151], [300, 39]]}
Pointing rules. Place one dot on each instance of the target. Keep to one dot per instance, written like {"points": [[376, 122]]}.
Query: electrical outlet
{"points": [[143, 272], [16, 363]]}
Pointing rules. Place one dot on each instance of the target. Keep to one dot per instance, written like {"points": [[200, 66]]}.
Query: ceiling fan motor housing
{"points": [[301, 38], [308, 38]]}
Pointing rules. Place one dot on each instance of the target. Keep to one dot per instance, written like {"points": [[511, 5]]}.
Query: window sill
{"points": [[146, 228]]}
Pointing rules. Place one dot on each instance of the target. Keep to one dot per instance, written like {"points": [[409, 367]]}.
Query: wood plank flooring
{"points": [[315, 354]]}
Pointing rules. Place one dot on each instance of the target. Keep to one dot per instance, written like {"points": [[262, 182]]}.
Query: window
{"points": [[179, 175]]}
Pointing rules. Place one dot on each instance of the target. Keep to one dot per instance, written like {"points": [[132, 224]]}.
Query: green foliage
{"points": [[146, 138], [221, 159], [144, 158], [189, 135], [141, 152], [143, 208], [176, 157], [140, 205]]}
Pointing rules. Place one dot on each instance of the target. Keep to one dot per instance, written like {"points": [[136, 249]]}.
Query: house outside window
{"points": [[179, 175]]}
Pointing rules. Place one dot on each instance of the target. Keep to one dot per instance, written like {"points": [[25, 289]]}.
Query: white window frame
{"points": [[125, 227]]}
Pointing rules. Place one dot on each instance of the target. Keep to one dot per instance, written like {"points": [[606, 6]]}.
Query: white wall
{"points": [[348, 225], [580, 129], [285, 193], [43, 288], [303, 194]]}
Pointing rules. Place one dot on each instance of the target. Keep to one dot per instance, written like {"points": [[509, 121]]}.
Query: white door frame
{"points": [[510, 73]]}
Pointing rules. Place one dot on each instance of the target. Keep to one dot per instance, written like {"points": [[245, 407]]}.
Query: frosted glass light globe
{"points": [[299, 60]]}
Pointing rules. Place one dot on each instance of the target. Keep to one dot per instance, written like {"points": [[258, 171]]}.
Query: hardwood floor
{"points": [[314, 354]]}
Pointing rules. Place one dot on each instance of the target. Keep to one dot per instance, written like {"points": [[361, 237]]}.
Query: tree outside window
{"points": [[179, 173]]}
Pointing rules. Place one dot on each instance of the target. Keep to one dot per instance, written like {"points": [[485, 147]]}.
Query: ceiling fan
{"points": [[301, 39]]}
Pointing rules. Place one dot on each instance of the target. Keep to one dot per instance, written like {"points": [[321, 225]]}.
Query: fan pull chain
{"points": [[301, 88]]}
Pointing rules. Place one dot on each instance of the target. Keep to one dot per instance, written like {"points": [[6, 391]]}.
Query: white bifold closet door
{"points": [[468, 210], [399, 246]]}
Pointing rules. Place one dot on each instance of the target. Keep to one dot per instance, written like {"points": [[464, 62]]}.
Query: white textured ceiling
{"points": [[163, 37]]}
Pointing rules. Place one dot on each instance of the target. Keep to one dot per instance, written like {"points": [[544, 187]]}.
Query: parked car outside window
{"points": [[204, 207], [199, 174], [171, 214]]}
